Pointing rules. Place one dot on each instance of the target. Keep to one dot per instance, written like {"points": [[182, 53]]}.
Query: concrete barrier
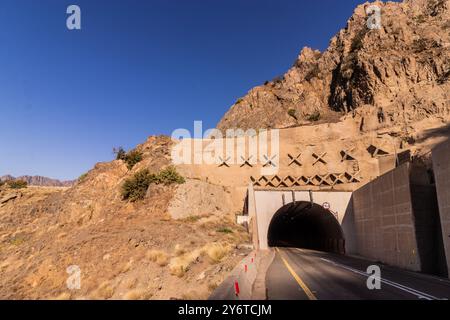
{"points": [[441, 168], [384, 220], [251, 285]]}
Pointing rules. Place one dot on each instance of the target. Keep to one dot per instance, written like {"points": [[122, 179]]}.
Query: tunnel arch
{"points": [[306, 225]]}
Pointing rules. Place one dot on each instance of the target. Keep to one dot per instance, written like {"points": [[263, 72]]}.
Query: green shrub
{"points": [[82, 177], [239, 100], [136, 187], [225, 230], [120, 153], [2, 183], [169, 176], [131, 157], [314, 116], [292, 113], [191, 219], [278, 79], [17, 184]]}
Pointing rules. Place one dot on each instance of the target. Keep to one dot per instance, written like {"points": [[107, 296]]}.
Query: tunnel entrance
{"points": [[305, 225]]}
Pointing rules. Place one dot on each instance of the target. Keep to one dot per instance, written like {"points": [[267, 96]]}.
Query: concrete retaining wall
{"points": [[384, 220], [441, 167]]}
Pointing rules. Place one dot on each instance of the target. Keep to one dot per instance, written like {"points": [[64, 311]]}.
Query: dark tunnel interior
{"points": [[305, 225]]}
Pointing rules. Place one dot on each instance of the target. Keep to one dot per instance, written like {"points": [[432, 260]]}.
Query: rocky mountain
{"points": [[396, 74], [40, 181]]}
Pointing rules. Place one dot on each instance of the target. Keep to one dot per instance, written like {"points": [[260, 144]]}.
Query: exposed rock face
{"points": [[399, 73], [40, 181]]}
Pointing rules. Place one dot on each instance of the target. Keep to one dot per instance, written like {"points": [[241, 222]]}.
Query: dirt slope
{"points": [[124, 250]]}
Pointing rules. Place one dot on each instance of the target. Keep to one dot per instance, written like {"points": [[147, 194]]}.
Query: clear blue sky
{"points": [[137, 68]]}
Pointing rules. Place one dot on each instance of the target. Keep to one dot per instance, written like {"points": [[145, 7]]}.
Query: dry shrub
{"points": [[216, 251], [158, 256], [180, 265]]}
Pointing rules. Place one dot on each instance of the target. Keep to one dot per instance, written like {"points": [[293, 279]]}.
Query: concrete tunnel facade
{"points": [[307, 225], [292, 218]]}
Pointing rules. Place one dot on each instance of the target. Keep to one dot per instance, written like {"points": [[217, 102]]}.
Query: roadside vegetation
{"points": [[136, 187], [131, 158]]}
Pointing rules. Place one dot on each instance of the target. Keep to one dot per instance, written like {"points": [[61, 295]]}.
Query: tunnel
{"points": [[306, 225]]}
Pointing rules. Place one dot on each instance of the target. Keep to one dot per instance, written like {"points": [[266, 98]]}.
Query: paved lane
{"points": [[300, 274]]}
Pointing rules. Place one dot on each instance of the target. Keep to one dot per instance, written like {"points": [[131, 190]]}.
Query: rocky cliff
{"points": [[396, 74]]}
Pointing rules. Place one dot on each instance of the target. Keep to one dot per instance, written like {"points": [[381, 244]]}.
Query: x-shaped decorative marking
{"points": [[338, 178], [288, 181], [224, 162], [254, 181], [269, 162], [246, 161], [319, 158], [352, 177], [322, 179], [294, 159], [345, 155], [263, 179], [275, 181], [305, 180], [375, 151]]}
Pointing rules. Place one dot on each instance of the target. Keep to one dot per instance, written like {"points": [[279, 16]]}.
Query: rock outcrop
{"points": [[396, 74]]}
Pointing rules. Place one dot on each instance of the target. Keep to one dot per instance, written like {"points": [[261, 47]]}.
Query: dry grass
{"points": [[63, 296], [178, 266], [212, 285], [104, 291], [138, 294], [179, 250], [130, 283], [192, 295], [158, 256], [127, 266], [216, 251], [191, 219]]}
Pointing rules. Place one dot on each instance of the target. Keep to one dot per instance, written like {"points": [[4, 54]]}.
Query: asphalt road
{"points": [[300, 274]]}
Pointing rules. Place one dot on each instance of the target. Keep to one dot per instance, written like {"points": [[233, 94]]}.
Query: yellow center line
{"points": [[304, 287]]}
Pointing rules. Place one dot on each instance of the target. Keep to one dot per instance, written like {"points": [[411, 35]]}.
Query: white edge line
{"points": [[415, 292]]}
